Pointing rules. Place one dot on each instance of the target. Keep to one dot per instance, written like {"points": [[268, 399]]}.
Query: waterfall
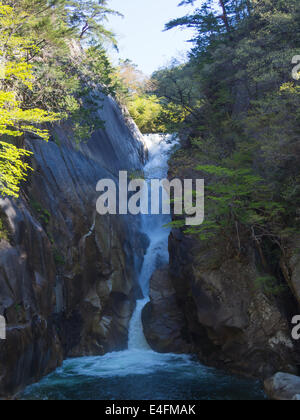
{"points": [[137, 340], [140, 373], [157, 255]]}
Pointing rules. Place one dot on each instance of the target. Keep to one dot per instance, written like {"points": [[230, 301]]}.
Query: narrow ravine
{"points": [[154, 226], [140, 373]]}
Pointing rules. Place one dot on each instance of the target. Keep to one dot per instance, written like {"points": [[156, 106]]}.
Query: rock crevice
{"points": [[68, 276], [231, 320]]}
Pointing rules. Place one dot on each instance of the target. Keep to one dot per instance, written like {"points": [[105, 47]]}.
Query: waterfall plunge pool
{"points": [[139, 373]]}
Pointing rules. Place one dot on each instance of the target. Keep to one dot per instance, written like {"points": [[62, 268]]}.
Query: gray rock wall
{"points": [[231, 320], [68, 277]]}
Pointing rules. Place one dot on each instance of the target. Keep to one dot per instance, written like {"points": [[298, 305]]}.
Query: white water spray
{"points": [[153, 226], [139, 372]]}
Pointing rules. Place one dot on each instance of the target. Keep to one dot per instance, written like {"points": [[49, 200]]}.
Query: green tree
{"points": [[246, 133], [173, 84], [89, 17], [16, 74]]}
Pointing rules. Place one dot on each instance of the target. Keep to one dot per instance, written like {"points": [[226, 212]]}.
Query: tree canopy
{"points": [[51, 60], [244, 119]]}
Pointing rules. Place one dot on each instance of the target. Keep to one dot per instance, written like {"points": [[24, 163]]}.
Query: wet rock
{"points": [[233, 323], [163, 322], [283, 387], [67, 275]]}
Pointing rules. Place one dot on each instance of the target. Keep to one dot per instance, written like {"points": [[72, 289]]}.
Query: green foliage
{"points": [[3, 231], [50, 237], [244, 133], [58, 257], [145, 110], [245, 130], [136, 175], [98, 68], [13, 169], [43, 214], [213, 24], [173, 86], [152, 116], [152, 113], [15, 118], [17, 74], [270, 286], [89, 17], [238, 197], [18, 308], [46, 74]]}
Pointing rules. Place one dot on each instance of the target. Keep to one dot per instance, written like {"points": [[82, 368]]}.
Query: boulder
{"points": [[163, 321], [283, 387]]}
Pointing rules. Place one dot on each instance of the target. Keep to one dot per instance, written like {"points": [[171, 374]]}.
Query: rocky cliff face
{"points": [[67, 275], [230, 320], [163, 321]]}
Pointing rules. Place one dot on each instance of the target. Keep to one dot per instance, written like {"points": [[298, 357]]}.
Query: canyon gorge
{"points": [[160, 304], [126, 296]]}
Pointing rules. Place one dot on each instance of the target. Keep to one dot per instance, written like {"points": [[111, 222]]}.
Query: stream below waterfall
{"points": [[139, 373]]}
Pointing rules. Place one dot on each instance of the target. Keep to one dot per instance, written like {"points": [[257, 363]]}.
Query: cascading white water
{"points": [[140, 373], [154, 227]]}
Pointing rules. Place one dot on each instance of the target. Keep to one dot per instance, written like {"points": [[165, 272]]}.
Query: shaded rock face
{"points": [[68, 276], [231, 322], [283, 387], [163, 321], [290, 265]]}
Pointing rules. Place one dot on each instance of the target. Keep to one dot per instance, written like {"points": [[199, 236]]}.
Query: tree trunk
{"points": [[84, 30], [248, 7], [225, 16]]}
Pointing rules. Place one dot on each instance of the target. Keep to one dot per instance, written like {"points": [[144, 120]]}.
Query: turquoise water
{"points": [[141, 375]]}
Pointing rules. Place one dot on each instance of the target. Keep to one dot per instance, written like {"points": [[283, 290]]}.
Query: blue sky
{"points": [[140, 34]]}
